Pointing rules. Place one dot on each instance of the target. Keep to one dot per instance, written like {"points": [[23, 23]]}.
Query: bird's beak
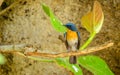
{"points": [[65, 26]]}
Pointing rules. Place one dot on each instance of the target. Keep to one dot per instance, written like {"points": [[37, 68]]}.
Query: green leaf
{"points": [[72, 67], [57, 24], [93, 20], [2, 59], [87, 22], [46, 9], [94, 64], [98, 16]]}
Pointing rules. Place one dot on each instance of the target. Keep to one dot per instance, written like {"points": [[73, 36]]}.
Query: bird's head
{"points": [[71, 26]]}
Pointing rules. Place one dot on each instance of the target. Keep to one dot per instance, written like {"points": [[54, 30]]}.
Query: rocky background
{"points": [[24, 22]]}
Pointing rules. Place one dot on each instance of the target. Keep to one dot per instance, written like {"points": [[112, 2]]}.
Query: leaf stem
{"points": [[88, 41]]}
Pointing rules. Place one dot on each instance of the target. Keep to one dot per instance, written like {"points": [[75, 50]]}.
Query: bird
{"points": [[72, 40]]}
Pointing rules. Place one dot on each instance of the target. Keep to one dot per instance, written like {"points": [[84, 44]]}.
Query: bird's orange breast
{"points": [[71, 35]]}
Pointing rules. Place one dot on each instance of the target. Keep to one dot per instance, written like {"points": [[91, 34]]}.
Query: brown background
{"points": [[25, 22]]}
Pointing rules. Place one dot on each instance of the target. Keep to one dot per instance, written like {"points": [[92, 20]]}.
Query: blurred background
{"points": [[24, 22]]}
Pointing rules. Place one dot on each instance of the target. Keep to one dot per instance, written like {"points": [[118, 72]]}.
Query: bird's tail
{"points": [[72, 60]]}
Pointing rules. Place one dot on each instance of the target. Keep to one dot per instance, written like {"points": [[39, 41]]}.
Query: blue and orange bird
{"points": [[72, 40]]}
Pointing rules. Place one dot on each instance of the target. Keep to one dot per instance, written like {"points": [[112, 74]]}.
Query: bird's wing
{"points": [[66, 43], [78, 46]]}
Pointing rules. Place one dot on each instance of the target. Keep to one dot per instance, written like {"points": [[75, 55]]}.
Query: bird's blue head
{"points": [[71, 26]]}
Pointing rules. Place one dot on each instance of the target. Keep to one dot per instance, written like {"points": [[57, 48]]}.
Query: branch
{"points": [[83, 52]]}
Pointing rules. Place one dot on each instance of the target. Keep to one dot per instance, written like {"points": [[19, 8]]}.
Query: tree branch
{"points": [[83, 52], [18, 48]]}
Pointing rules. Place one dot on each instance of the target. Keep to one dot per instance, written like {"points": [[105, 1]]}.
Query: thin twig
{"points": [[83, 52]]}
